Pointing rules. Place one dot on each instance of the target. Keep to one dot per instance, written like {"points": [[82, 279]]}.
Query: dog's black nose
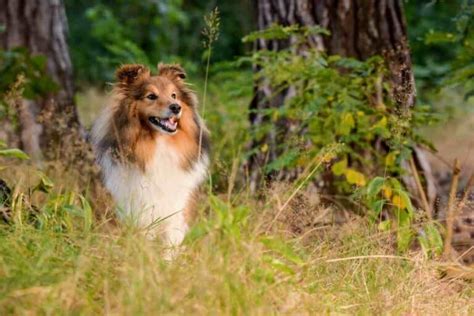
{"points": [[175, 108]]}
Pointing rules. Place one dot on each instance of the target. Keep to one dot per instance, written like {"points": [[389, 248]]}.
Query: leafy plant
{"points": [[338, 100], [225, 219], [14, 153], [382, 192], [430, 239]]}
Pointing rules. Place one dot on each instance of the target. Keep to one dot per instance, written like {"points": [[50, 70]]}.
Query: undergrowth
{"points": [[65, 261]]}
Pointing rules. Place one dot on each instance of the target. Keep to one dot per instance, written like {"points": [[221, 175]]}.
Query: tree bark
{"points": [[359, 29], [41, 27]]}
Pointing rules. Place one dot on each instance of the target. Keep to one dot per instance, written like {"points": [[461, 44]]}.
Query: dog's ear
{"points": [[131, 73], [172, 71]]}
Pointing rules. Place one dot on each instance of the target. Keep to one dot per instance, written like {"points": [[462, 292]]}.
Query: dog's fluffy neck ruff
{"points": [[154, 177], [160, 192]]}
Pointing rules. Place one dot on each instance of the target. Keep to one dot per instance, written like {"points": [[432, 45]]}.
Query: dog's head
{"points": [[159, 101]]}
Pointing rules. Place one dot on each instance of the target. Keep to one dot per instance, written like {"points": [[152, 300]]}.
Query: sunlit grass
{"points": [[226, 267], [64, 262]]}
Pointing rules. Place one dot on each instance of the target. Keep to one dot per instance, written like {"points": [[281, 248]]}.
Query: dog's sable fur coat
{"points": [[152, 147]]}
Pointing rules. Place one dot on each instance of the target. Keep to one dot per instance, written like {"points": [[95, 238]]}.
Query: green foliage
{"points": [[14, 153], [337, 100], [431, 62], [19, 61], [229, 94], [120, 48], [441, 35], [382, 192], [106, 33], [343, 101], [462, 66], [62, 212], [224, 218], [430, 239], [276, 31], [22, 75]]}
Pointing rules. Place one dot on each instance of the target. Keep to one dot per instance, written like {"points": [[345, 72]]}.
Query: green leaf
{"points": [[279, 265], [374, 186], [339, 167], [275, 31], [283, 249], [286, 160], [44, 185], [377, 206], [430, 240], [74, 210], [346, 124], [355, 177], [407, 201], [14, 153]]}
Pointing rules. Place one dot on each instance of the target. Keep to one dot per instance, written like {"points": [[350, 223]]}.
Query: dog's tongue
{"points": [[173, 120]]}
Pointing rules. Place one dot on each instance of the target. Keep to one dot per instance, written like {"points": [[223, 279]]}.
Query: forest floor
{"points": [[244, 256]]}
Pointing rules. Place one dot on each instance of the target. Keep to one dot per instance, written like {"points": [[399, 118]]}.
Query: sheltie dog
{"points": [[153, 149]]}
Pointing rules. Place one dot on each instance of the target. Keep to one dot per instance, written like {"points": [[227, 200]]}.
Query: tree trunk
{"points": [[360, 29], [41, 27]]}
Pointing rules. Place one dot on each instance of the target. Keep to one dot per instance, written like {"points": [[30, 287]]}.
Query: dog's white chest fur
{"points": [[155, 199]]}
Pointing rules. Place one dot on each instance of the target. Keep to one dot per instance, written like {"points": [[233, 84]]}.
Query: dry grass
{"points": [[230, 263], [89, 103]]}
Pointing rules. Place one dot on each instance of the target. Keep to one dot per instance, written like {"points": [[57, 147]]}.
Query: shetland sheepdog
{"points": [[153, 149]]}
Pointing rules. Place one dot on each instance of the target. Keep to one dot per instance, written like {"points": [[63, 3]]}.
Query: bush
{"points": [[342, 107]]}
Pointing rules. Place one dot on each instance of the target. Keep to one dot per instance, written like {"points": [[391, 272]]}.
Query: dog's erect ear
{"points": [[128, 74], [172, 71]]}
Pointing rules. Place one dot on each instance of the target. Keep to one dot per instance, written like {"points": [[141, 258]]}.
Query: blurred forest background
{"points": [[332, 144]]}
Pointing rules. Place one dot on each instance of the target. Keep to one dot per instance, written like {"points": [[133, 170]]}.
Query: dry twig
{"points": [[452, 208], [421, 192], [467, 191]]}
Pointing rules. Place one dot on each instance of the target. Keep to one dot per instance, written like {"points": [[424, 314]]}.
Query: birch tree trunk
{"points": [[360, 29], [41, 27]]}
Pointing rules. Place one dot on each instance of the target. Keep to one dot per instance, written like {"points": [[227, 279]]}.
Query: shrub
{"points": [[339, 103]]}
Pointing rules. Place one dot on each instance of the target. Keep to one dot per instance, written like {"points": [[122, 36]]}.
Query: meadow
{"points": [[281, 252]]}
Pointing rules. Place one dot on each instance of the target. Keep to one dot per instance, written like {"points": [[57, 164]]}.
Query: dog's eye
{"points": [[173, 95], [152, 96]]}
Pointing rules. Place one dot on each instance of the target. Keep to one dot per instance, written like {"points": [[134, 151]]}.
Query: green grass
{"points": [[232, 263]]}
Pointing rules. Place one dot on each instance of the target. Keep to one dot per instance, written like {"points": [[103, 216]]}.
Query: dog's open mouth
{"points": [[168, 124]]}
